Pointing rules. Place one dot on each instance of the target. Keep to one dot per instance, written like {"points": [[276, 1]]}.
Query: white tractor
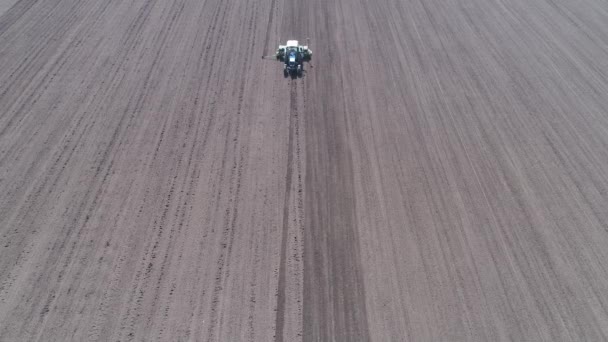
{"points": [[294, 56]]}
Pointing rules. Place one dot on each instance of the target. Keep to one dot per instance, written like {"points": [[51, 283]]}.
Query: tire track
{"points": [[281, 289]]}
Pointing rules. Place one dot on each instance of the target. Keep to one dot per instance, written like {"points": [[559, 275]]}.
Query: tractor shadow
{"points": [[295, 76]]}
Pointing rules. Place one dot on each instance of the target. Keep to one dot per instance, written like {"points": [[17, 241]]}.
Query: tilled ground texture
{"points": [[438, 174]]}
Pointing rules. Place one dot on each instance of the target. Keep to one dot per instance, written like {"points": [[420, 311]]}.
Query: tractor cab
{"points": [[293, 56], [293, 61]]}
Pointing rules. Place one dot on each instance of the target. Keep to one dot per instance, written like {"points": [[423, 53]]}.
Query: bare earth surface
{"points": [[439, 174], [5, 5]]}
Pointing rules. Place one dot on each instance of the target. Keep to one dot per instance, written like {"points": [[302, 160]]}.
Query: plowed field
{"points": [[440, 173]]}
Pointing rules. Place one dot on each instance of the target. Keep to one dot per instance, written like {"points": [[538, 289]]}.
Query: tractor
{"points": [[293, 56]]}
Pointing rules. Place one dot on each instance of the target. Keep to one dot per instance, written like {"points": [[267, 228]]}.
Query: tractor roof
{"points": [[292, 43]]}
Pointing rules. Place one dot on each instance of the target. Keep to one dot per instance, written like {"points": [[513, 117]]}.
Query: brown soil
{"points": [[440, 173]]}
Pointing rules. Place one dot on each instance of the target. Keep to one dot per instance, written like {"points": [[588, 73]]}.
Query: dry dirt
{"points": [[439, 174]]}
